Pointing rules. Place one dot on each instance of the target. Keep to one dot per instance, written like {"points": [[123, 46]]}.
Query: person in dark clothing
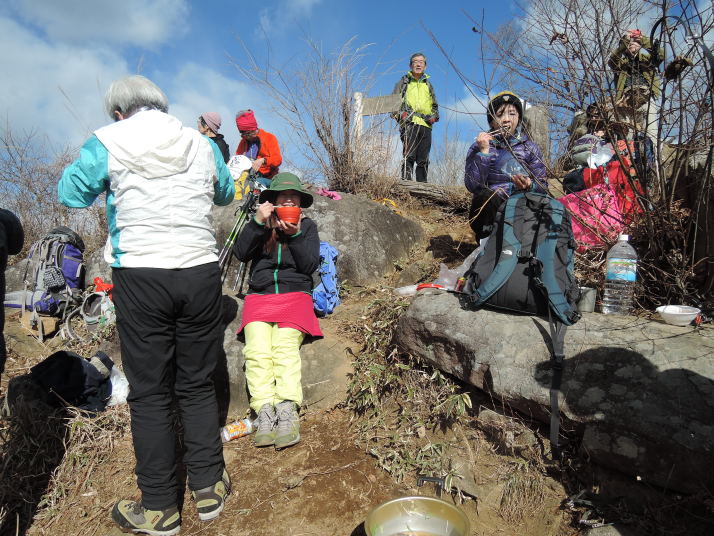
{"points": [[209, 124], [12, 238], [500, 162], [278, 311], [161, 180]]}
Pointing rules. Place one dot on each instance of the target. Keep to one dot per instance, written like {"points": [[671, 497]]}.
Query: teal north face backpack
{"points": [[527, 266]]}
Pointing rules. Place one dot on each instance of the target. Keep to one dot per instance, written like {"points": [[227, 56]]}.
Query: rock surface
{"points": [[370, 237], [325, 364], [642, 392]]}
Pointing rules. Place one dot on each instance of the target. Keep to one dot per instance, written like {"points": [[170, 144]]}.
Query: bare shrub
{"points": [[315, 100], [29, 173], [556, 56]]}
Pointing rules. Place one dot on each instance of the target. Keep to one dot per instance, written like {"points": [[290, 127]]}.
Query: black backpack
{"points": [[527, 267]]}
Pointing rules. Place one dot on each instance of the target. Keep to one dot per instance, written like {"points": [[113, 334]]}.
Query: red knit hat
{"points": [[245, 120]]}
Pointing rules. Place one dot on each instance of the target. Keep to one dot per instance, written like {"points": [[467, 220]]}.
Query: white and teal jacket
{"points": [[161, 180]]}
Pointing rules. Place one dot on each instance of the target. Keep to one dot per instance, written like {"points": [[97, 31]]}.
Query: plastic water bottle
{"points": [[620, 278], [237, 429]]}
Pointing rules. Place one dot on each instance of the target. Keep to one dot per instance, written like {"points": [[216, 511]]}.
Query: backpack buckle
{"points": [[524, 255]]}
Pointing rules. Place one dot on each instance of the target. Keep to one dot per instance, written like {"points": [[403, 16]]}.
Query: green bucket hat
{"points": [[282, 182]]}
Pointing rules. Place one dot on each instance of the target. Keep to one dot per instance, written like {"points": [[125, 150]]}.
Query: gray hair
{"points": [[131, 93], [416, 55]]}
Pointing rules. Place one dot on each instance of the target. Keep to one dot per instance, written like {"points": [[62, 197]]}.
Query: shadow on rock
{"points": [[221, 378], [447, 250], [657, 424]]}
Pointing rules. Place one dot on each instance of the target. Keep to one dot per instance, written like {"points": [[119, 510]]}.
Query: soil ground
{"points": [[325, 485]]}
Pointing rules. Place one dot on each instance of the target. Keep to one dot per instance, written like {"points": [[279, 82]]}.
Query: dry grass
{"points": [[523, 492], [48, 455]]}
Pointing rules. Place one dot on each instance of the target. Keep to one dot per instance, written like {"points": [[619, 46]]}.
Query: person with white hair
{"points": [[160, 180]]}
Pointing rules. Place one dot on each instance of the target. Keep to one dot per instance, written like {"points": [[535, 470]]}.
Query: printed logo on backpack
{"points": [[527, 265]]}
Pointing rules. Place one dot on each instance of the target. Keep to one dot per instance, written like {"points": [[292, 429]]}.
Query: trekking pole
{"points": [[245, 212]]}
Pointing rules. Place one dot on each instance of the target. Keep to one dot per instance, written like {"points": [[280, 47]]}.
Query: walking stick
{"points": [[244, 213]]}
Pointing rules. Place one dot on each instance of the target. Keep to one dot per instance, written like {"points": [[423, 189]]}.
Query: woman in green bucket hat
{"points": [[278, 310]]}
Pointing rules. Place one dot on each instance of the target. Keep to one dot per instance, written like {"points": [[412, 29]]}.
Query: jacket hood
{"points": [[151, 143]]}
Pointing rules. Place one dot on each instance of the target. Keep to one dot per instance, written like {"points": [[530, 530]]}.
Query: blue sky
{"points": [[59, 56]]}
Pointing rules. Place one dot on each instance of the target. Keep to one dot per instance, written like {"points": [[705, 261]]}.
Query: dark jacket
{"points": [[223, 146], [484, 170], [11, 236], [639, 69], [289, 267]]}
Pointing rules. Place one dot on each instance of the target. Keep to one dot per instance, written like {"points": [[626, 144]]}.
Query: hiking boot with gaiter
{"points": [[265, 430], [287, 431], [211, 500], [131, 516]]}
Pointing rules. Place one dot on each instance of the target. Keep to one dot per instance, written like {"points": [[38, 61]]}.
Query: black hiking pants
{"points": [[416, 144], [169, 322], [482, 214], [3, 350]]}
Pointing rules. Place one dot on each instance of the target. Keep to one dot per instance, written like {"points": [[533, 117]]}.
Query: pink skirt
{"points": [[290, 310]]}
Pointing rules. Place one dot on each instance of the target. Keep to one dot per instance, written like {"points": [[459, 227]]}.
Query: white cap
{"points": [[623, 238]]}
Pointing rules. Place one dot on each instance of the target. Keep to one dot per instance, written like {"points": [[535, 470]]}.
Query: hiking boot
{"points": [[287, 432], [131, 516], [265, 429], [211, 500]]}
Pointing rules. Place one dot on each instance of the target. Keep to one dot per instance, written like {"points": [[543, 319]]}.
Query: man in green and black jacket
{"points": [[418, 111]]}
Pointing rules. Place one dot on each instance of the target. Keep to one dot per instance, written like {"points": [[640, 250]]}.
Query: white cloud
{"points": [[37, 73], [286, 13], [196, 89], [144, 23], [470, 110]]}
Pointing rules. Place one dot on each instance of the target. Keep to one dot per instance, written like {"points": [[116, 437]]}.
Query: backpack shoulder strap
{"points": [[507, 259], [546, 255]]}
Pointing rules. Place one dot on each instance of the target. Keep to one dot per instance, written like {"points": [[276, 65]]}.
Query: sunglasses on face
{"points": [[247, 132]]}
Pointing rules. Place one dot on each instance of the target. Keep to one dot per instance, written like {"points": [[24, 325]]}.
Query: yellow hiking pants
{"points": [[272, 363]]}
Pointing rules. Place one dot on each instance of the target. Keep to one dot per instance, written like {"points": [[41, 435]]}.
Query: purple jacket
{"points": [[484, 170]]}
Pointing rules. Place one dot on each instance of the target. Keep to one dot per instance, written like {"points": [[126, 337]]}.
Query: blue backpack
{"points": [[326, 295]]}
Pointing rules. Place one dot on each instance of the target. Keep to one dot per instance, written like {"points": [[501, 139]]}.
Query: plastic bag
{"points": [[513, 167], [447, 277], [120, 387], [601, 155], [408, 290]]}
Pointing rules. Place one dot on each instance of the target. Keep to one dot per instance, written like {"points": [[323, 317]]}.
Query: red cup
{"points": [[288, 214]]}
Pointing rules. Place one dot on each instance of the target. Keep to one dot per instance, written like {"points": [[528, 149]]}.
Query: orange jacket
{"points": [[267, 148]]}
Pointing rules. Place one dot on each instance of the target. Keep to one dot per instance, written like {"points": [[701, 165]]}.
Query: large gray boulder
{"points": [[369, 236], [325, 365], [641, 392]]}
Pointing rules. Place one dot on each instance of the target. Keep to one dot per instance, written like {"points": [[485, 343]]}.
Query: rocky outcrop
{"points": [[325, 364], [641, 392], [370, 237]]}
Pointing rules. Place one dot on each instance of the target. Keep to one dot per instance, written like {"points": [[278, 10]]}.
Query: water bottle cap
{"points": [[623, 238]]}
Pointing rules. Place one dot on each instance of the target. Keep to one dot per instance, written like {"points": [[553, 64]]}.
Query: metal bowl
{"points": [[416, 516]]}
